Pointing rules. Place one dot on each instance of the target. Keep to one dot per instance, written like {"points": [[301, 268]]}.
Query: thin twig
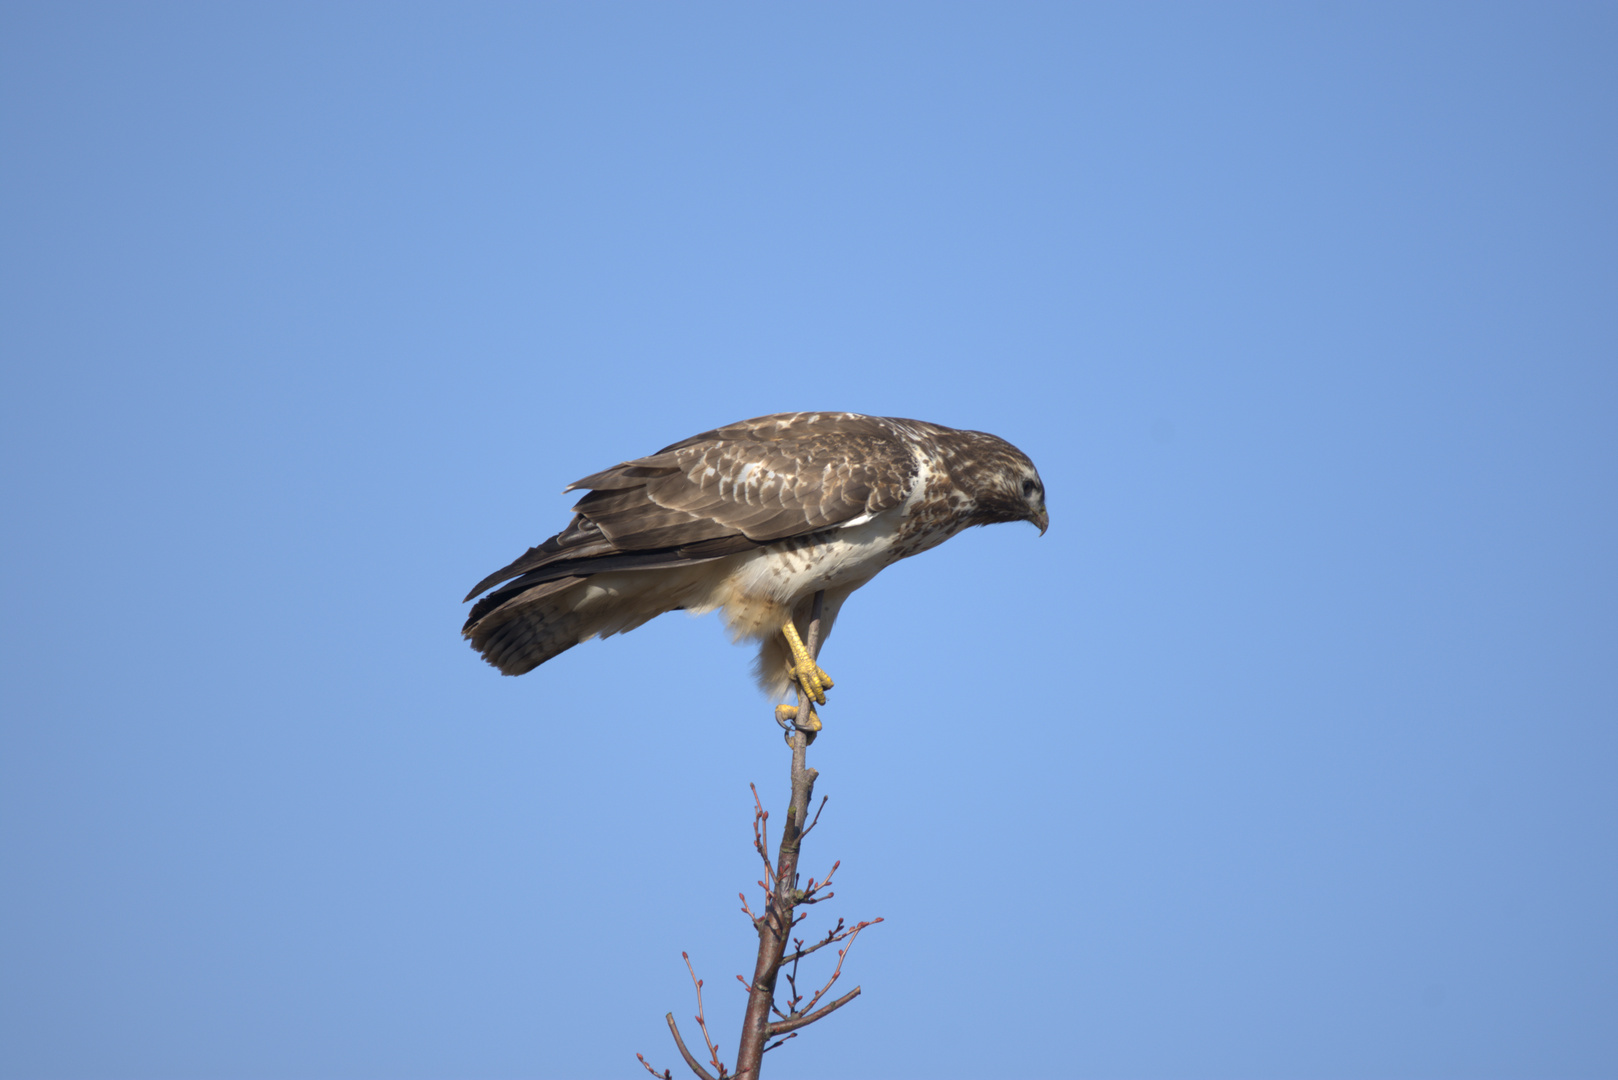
{"points": [[834, 935], [761, 837], [665, 1074], [793, 997], [713, 1051], [842, 954], [808, 895], [814, 887], [777, 1042], [689, 1060], [811, 826], [804, 1021]]}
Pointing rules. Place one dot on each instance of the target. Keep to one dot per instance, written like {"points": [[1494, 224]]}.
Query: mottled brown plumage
{"points": [[752, 518]]}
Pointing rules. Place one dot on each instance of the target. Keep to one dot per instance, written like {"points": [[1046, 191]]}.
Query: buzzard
{"points": [[751, 519]]}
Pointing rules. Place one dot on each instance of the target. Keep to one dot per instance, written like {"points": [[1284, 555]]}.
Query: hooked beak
{"points": [[1042, 519]]}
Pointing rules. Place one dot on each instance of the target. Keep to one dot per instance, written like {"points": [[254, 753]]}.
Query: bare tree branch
{"points": [[804, 1021], [779, 914], [689, 1060], [775, 925], [834, 935]]}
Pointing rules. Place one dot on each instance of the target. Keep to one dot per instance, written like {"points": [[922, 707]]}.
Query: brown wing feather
{"points": [[769, 478], [715, 494], [580, 540]]}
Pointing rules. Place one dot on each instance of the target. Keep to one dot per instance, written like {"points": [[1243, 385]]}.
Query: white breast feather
{"points": [[759, 588]]}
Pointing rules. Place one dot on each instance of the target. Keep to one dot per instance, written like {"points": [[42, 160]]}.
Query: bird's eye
{"points": [[1028, 487]]}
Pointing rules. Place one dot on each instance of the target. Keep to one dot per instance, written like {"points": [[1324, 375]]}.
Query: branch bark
{"points": [[775, 925]]}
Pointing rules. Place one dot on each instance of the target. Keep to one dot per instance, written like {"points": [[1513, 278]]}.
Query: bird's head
{"points": [[1005, 486], [1031, 489]]}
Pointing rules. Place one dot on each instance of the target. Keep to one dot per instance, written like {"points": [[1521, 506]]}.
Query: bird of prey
{"points": [[751, 519]]}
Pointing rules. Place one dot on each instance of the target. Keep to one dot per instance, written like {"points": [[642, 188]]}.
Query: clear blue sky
{"points": [[1290, 751]]}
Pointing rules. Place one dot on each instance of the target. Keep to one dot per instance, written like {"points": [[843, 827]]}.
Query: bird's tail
{"points": [[519, 633]]}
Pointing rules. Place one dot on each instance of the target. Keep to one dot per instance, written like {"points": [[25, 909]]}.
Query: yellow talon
{"points": [[805, 672], [787, 717], [788, 714]]}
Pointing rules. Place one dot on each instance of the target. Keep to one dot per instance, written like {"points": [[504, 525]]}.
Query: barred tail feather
{"points": [[528, 629]]}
